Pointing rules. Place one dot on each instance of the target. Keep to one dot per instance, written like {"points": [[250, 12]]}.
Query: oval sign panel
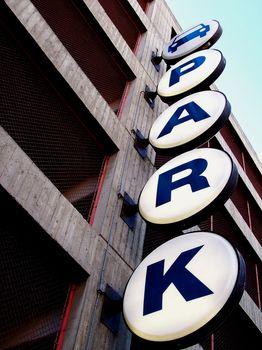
{"points": [[189, 122], [201, 36], [193, 73], [184, 288], [187, 187]]}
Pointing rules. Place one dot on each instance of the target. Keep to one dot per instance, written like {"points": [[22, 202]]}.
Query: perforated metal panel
{"points": [[236, 333], [156, 236], [143, 3], [253, 173], [240, 199], [231, 138], [125, 19], [35, 278], [87, 43], [242, 156], [256, 219], [223, 224], [43, 124]]}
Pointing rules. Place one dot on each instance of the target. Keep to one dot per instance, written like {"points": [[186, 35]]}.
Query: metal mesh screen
{"points": [[240, 152], [206, 343], [240, 199], [39, 119], [243, 157], [35, 277], [80, 34], [223, 224], [143, 4], [161, 160], [156, 236], [248, 208], [125, 19], [232, 138], [236, 333], [253, 173], [256, 219]]}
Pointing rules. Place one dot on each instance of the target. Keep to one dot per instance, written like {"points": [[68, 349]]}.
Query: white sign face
{"points": [[197, 37], [193, 72], [190, 122], [187, 185], [182, 285]]}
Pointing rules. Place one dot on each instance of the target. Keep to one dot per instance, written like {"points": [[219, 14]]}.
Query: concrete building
{"points": [[73, 81]]}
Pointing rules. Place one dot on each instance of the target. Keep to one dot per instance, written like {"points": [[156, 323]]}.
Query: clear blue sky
{"points": [[241, 46]]}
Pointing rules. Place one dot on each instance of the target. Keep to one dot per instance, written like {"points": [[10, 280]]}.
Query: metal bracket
{"points": [[129, 210], [111, 310], [150, 96], [141, 143], [156, 60]]}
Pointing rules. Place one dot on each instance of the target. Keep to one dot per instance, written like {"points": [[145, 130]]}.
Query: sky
{"points": [[241, 45]]}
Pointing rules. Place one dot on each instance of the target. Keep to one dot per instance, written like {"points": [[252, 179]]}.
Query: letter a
{"points": [[194, 111]]}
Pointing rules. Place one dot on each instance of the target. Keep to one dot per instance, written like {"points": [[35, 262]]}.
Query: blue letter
{"points": [[194, 112], [199, 32], [179, 71], [188, 285], [197, 182]]}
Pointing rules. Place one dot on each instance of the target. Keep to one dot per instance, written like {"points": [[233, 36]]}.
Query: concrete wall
{"points": [[108, 250]]}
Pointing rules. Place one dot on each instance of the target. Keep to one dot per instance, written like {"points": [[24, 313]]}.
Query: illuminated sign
{"points": [[189, 122], [183, 288], [193, 73], [188, 186], [201, 36]]}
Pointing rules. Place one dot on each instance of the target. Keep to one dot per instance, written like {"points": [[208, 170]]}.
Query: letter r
{"points": [[196, 181]]}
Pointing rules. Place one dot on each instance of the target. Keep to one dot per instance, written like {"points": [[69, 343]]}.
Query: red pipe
{"points": [[99, 190], [258, 288], [66, 317], [212, 342], [137, 43], [123, 99]]}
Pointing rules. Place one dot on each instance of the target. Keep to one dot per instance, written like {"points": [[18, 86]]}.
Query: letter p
{"points": [[185, 68]]}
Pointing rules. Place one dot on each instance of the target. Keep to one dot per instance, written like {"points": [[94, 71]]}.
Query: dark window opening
{"points": [[36, 275], [248, 208], [125, 19], [88, 44], [240, 199], [144, 4], [155, 236], [161, 160], [242, 155], [223, 224], [237, 333], [231, 137], [53, 128]]}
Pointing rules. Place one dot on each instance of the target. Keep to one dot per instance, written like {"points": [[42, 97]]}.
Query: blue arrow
{"points": [[188, 285]]}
